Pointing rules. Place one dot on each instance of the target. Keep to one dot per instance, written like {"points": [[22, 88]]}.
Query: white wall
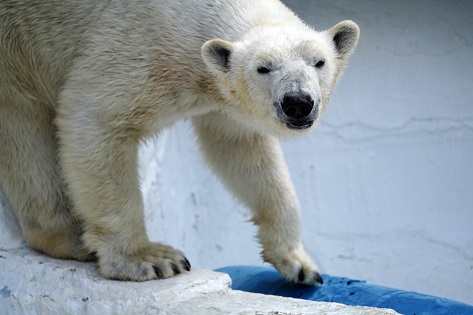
{"points": [[386, 180]]}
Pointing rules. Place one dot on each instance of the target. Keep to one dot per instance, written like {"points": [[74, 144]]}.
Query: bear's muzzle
{"points": [[297, 110]]}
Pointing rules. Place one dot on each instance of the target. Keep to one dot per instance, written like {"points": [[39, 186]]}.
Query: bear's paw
{"points": [[294, 264], [155, 261]]}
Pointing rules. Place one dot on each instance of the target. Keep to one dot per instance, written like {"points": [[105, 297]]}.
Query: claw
{"points": [[186, 264], [175, 269], [318, 278], [301, 275], [159, 273]]}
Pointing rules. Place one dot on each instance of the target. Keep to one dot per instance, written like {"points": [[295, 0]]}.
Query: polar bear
{"points": [[83, 84]]}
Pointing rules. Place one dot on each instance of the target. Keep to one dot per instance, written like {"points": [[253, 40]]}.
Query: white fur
{"points": [[82, 85]]}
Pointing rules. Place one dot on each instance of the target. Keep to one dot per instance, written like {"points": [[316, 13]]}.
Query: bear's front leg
{"points": [[253, 168], [99, 163]]}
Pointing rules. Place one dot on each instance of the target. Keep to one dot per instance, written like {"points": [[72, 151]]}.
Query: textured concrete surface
{"points": [[31, 283]]}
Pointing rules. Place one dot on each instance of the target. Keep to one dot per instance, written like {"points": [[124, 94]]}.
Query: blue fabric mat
{"points": [[267, 280]]}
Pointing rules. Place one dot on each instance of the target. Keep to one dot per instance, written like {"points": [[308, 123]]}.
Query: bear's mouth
{"points": [[300, 125]]}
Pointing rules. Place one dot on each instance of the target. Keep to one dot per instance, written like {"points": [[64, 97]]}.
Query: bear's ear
{"points": [[345, 37], [216, 54]]}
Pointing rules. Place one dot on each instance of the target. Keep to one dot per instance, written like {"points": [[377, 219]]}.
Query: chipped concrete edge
{"points": [[32, 283]]}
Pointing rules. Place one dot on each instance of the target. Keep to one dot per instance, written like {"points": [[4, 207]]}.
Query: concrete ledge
{"points": [[32, 283]]}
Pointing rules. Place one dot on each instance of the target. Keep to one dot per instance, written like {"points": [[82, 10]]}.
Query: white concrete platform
{"points": [[32, 283]]}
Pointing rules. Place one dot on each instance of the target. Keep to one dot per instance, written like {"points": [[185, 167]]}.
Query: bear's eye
{"points": [[320, 64], [263, 70]]}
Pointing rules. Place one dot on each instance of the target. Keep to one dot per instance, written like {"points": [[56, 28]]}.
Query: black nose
{"points": [[297, 105]]}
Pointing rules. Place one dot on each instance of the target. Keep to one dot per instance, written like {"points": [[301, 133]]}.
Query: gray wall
{"points": [[386, 180]]}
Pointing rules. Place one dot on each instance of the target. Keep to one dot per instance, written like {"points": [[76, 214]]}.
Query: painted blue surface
{"points": [[267, 280]]}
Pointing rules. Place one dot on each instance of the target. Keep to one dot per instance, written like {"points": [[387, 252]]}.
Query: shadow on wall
{"points": [[10, 231]]}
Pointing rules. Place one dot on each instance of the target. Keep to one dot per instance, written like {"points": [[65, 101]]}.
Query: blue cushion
{"points": [[267, 280]]}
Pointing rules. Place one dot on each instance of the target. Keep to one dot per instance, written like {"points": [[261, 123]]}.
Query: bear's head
{"points": [[278, 79]]}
